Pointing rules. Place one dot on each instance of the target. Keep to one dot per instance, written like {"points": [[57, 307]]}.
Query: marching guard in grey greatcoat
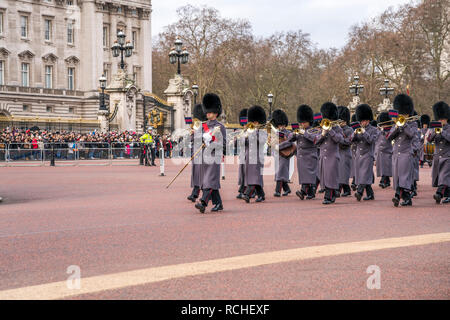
{"points": [[329, 141], [307, 154], [365, 139], [255, 140], [353, 149], [345, 162], [424, 123], [280, 122], [441, 158], [241, 148], [402, 156], [196, 175], [215, 147], [383, 152]]}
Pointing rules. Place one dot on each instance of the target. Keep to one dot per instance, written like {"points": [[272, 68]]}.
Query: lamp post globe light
{"points": [[270, 100], [120, 47], [102, 81], [386, 90], [356, 88], [195, 90], [179, 55]]}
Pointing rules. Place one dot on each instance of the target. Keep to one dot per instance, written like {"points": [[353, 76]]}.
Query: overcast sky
{"points": [[327, 21]]}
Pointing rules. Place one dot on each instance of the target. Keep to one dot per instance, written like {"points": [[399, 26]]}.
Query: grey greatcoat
{"points": [[441, 159], [352, 168], [329, 157], [241, 172], [196, 142], [423, 131], [345, 164], [282, 163], [307, 157], [364, 155], [384, 156], [402, 155], [212, 156], [254, 157], [416, 151]]}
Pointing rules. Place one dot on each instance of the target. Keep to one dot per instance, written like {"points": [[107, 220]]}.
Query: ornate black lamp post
{"points": [[270, 100], [120, 47], [102, 81], [386, 91], [356, 88], [195, 90], [178, 54]]}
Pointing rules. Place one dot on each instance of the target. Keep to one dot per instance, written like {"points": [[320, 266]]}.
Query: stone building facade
{"points": [[52, 53]]}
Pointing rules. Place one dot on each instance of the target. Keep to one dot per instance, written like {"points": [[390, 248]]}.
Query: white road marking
{"points": [[58, 290]]}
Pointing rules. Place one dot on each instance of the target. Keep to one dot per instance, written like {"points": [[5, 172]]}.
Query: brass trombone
{"points": [[326, 124], [401, 120]]}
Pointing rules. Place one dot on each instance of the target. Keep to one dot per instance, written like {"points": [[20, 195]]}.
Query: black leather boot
{"points": [[217, 207], [370, 193], [278, 189], [359, 192], [201, 206]]}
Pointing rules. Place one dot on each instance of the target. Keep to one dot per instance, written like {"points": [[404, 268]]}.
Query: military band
{"points": [[330, 153]]}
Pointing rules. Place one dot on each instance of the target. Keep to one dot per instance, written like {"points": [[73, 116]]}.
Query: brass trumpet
{"points": [[360, 130], [401, 120], [438, 130]]}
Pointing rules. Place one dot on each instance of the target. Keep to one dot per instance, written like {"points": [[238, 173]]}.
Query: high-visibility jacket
{"points": [[146, 138]]}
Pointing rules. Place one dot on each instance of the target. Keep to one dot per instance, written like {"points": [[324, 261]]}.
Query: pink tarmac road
{"points": [[108, 220]]}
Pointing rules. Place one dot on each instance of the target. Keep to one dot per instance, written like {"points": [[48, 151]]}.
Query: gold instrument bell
{"points": [[326, 124], [196, 124], [401, 120], [438, 130]]}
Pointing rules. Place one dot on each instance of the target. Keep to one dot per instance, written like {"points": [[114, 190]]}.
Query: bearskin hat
{"points": [[383, 117], [305, 114], [354, 117], [211, 103], [279, 118], [364, 112], [403, 104], [242, 113], [344, 114], [256, 113], [329, 111], [441, 110], [198, 113], [373, 123], [425, 119]]}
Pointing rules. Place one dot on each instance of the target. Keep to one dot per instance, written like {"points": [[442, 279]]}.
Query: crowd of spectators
{"points": [[90, 145]]}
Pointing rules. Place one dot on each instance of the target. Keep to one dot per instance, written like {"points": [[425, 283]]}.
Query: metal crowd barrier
{"points": [[65, 154]]}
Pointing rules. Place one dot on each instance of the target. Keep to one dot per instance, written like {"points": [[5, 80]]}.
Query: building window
{"points": [[71, 110], [25, 74], [26, 108], [71, 78], [48, 29], [49, 109], [70, 33], [48, 77], [105, 36], [70, 2], [1, 22], [134, 40], [2, 73], [24, 26]]}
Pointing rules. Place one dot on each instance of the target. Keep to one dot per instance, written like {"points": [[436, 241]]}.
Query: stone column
{"points": [[175, 94], [123, 95]]}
